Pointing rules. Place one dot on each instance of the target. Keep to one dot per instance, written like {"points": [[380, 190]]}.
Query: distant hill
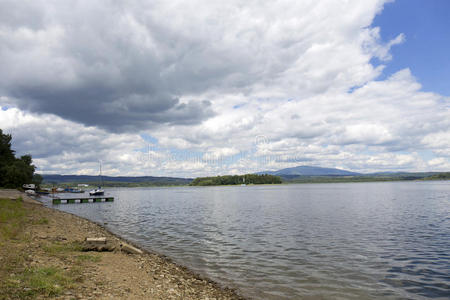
{"points": [[299, 174], [310, 171], [309, 174], [396, 174], [115, 180]]}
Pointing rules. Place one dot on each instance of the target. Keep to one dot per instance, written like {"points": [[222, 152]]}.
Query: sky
{"points": [[425, 25], [197, 88]]}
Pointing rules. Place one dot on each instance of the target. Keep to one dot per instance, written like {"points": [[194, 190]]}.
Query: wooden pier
{"points": [[82, 200]]}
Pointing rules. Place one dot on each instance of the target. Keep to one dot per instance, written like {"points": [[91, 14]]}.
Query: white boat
{"points": [[98, 191], [29, 186], [30, 192]]}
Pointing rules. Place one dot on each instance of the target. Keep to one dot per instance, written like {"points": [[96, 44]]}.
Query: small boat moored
{"points": [[73, 190], [97, 192], [29, 186], [42, 192]]}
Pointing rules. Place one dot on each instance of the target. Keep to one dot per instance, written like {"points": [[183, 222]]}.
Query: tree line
{"points": [[14, 172], [236, 179]]}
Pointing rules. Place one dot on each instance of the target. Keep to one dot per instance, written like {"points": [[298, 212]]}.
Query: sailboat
{"points": [[98, 191]]}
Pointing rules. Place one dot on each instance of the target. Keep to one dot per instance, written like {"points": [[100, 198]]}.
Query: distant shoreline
{"points": [[296, 180]]}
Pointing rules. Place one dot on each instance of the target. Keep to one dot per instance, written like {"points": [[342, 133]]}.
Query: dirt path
{"points": [[52, 239]]}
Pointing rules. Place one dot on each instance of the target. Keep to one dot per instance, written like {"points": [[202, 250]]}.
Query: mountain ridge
{"points": [[57, 178], [311, 171]]}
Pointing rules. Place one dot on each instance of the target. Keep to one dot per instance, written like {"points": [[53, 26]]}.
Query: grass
{"points": [[44, 281], [12, 216], [18, 280], [57, 248], [22, 273]]}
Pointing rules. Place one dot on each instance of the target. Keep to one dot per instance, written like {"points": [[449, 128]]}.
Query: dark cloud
{"points": [[96, 65], [113, 110], [127, 66]]}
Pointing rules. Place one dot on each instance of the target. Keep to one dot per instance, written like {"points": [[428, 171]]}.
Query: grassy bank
{"points": [[20, 277], [12, 216]]}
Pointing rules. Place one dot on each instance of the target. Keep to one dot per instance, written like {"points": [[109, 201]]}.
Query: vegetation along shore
{"points": [[237, 179], [73, 180], [43, 255]]}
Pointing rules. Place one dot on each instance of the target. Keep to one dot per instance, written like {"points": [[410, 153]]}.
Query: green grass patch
{"points": [[57, 248], [43, 281], [12, 215]]}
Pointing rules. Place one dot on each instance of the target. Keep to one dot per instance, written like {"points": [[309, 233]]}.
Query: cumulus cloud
{"points": [[59, 145], [262, 84], [127, 67], [381, 125]]}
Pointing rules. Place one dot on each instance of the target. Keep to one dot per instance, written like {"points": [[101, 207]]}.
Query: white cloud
{"points": [[262, 84], [383, 118]]}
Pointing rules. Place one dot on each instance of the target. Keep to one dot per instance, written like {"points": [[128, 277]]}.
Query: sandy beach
{"points": [[46, 238]]}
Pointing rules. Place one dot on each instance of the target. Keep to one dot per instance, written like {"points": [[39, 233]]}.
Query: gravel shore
{"points": [[51, 238]]}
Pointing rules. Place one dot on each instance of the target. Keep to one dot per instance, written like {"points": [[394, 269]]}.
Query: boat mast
{"points": [[101, 178]]}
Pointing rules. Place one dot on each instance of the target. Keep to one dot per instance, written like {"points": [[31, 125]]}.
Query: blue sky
{"points": [[426, 50]]}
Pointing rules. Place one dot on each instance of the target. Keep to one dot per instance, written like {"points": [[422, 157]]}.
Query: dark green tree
{"points": [[14, 172], [37, 179], [237, 179], [6, 153]]}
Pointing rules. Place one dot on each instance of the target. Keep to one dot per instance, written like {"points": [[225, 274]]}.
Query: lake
{"points": [[387, 240]]}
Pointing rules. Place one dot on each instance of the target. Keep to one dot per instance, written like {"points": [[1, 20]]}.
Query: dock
{"points": [[82, 200]]}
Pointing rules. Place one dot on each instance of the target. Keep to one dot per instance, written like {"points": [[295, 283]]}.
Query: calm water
{"points": [[333, 241]]}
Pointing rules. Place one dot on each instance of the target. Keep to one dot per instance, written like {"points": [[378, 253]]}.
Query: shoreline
{"points": [[160, 255], [48, 237], [363, 180]]}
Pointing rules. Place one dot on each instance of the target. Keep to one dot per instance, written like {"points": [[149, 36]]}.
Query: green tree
{"points": [[237, 179], [6, 153], [37, 179], [14, 172]]}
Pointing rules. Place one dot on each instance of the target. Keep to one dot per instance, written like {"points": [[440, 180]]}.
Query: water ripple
{"points": [[327, 241]]}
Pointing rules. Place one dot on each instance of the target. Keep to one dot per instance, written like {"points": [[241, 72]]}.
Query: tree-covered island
{"points": [[236, 179]]}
